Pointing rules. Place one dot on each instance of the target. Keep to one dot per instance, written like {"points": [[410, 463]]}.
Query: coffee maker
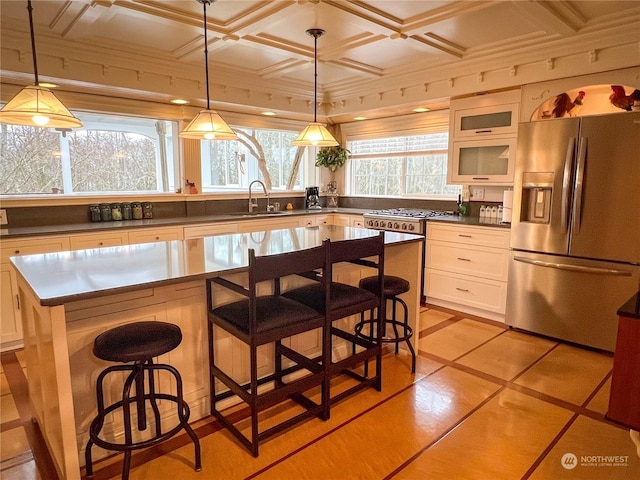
{"points": [[312, 198]]}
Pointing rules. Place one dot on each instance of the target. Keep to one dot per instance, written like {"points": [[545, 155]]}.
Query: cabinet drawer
{"points": [[470, 291], [97, 240], [11, 248], [485, 262], [212, 229], [468, 235], [155, 235]]}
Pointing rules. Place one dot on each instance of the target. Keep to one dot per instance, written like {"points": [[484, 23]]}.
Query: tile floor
{"points": [[486, 403]]}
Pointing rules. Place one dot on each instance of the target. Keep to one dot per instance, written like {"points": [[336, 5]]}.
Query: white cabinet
{"points": [[98, 240], [150, 235], [482, 139], [467, 268], [10, 323]]}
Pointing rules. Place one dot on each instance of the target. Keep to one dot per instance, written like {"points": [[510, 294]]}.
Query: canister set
{"points": [[108, 212]]}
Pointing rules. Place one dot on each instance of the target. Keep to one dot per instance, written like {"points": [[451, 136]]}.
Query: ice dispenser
{"points": [[537, 188]]}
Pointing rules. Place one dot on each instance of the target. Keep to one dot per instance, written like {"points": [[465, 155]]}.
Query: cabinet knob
{"points": [[17, 252], [157, 238], [101, 244]]}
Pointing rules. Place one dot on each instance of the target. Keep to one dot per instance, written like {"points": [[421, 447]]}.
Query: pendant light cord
{"points": [[33, 42], [206, 49], [315, 76]]}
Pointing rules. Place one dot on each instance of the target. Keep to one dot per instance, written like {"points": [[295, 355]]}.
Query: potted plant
{"points": [[332, 157]]}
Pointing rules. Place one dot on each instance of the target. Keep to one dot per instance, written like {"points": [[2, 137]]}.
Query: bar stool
{"points": [[138, 342], [393, 286]]}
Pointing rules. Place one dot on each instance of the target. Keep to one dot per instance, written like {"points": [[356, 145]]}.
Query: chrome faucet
{"points": [[253, 202]]}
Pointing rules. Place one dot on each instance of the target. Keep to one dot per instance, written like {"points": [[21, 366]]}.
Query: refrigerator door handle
{"points": [[575, 268], [566, 185], [577, 203]]}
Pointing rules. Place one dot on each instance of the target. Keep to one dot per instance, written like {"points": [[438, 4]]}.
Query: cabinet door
{"points": [[10, 323], [485, 121], [489, 161], [155, 235], [97, 240]]}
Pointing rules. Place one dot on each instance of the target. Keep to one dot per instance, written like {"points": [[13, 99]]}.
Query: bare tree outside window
{"points": [[30, 160], [263, 154], [109, 154], [103, 161]]}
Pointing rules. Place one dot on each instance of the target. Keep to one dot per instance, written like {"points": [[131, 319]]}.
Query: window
{"points": [[401, 166], [109, 154], [263, 154]]}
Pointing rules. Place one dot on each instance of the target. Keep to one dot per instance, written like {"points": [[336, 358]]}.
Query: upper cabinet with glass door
{"points": [[484, 121], [482, 142]]}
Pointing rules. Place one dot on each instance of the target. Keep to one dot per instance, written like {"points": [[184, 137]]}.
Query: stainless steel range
{"points": [[409, 220]]}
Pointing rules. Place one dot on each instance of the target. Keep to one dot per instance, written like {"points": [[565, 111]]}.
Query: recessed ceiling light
{"points": [[421, 109], [269, 114], [47, 85], [179, 101], [359, 118]]}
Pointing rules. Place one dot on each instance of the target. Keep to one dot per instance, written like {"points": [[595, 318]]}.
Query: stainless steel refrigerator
{"points": [[575, 231]]}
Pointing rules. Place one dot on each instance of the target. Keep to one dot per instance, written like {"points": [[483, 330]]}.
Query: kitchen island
{"points": [[68, 298]]}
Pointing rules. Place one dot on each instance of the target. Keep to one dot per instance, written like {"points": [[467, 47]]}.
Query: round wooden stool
{"points": [[402, 331], [136, 344]]}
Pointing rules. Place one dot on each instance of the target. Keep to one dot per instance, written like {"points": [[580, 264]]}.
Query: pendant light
{"points": [[208, 124], [315, 134], [35, 105]]}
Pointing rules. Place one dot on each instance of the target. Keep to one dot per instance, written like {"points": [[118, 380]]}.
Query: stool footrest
{"points": [[408, 331], [97, 424]]}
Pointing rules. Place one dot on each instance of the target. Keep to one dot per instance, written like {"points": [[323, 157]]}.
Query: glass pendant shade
{"points": [[38, 107], [35, 105], [208, 125], [315, 134]]}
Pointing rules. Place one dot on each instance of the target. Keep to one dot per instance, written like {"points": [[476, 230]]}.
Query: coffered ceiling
{"points": [[378, 57]]}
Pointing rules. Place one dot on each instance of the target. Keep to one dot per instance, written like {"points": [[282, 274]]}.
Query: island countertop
{"points": [[61, 277]]}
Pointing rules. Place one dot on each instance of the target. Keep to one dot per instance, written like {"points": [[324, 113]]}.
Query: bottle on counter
{"points": [[147, 210], [94, 213], [483, 212], [127, 213], [462, 207], [136, 210], [105, 212], [116, 211]]}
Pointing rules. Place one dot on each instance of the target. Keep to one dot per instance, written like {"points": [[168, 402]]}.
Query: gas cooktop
{"points": [[408, 213]]}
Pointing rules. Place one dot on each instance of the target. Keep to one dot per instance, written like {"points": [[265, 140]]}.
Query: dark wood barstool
{"points": [[138, 342], [402, 331]]}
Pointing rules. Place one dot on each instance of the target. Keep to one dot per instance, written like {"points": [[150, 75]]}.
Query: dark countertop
{"points": [[97, 227], [62, 277], [631, 308]]}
